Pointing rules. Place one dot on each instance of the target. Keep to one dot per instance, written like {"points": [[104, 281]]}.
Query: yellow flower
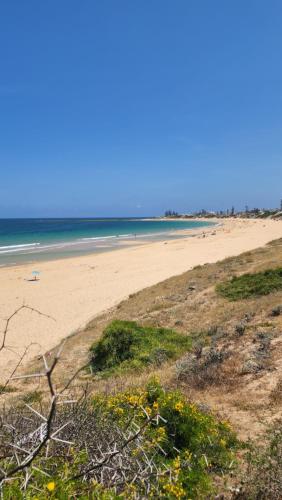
{"points": [[161, 434], [223, 442], [51, 486], [176, 463], [161, 431], [119, 411], [156, 406], [188, 455], [148, 410], [179, 406], [175, 490]]}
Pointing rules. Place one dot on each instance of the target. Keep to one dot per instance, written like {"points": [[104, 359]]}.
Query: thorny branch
{"points": [[8, 320], [112, 454], [3, 345], [4, 386], [49, 419], [63, 423]]}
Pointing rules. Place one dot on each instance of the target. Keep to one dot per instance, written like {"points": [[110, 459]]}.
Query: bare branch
{"points": [[9, 319], [51, 430]]}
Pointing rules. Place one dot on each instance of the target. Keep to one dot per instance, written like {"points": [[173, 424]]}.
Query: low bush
{"points": [[276, 311], [203, 368], [263, 477], [190, 444], [145, 443], [125, 345], [251, 285]]}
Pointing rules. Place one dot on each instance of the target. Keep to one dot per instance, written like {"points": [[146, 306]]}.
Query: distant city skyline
{"points": [[131, 108]]}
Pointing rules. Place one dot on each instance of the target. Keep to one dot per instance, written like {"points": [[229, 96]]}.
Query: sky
{"points": [[132, 107]]}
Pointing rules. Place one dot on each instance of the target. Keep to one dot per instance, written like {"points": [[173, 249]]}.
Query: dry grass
{"points": [[276, 394]]}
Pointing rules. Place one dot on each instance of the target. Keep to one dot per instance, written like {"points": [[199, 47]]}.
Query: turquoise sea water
{"points": [[23, 240]]}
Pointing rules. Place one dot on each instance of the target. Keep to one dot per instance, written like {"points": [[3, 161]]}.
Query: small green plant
{"points": [[125, 345], [7, 388], [32, 397], [251, 285], [56, 484]]}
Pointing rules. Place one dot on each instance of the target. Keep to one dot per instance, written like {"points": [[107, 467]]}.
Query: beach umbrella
{"points": [[35, 274]]}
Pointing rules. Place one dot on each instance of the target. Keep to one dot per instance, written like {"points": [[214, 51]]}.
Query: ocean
{"points": [[29, 240]]}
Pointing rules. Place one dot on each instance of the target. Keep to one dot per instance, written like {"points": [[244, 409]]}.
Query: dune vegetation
{"points": [[174, 393], [251, 284], [127, 346]]}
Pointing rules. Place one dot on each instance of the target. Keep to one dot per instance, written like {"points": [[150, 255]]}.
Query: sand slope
{"points": [[74, 290]]}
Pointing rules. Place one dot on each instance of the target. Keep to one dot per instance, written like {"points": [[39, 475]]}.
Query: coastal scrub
{"points": [[143, 443], [251, 285], [126, 346]]}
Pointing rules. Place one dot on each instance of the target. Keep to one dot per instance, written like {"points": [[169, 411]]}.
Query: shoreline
{"points": [[72, 291], [35, 253]]}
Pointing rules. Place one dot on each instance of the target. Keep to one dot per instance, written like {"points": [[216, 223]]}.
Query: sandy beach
{"points": [[72, 291]]}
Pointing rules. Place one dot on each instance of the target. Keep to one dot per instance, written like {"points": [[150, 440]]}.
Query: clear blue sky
{"points": [[130, 107]]}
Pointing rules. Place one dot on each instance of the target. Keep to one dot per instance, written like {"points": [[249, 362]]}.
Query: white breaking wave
{"points": [[84, 243], [101, 238], [16, 248]]}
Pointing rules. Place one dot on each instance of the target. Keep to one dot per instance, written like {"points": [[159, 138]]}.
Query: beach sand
{"points": [[72, 291]]}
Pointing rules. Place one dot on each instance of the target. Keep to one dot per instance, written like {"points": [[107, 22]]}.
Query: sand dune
{"points": [[72, 291]]}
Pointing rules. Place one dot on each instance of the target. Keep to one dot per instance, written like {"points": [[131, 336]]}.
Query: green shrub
{"points": [[58, 486], [190, 443], [125, 345], [251, 285], [115, 345], [172, 450]]}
